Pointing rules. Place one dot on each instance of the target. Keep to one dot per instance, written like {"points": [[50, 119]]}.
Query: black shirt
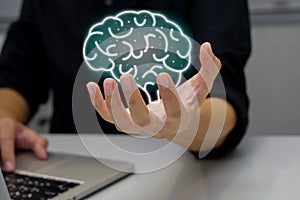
{"points": [[43, 49]]}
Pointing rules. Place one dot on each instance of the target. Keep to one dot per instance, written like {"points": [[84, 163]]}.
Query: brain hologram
{"points": [[140, 43]]}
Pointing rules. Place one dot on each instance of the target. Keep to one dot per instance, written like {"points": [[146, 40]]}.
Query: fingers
{"points": [[116, 108], [168, 94], [98, 101], [109, 87], [172, 105], [203, 81], [29, 139], [40, 147], [138, 109], [15, 135], [7, 144]]}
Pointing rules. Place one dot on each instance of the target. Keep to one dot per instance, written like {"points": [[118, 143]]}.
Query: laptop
{"points": [[60, 177]]}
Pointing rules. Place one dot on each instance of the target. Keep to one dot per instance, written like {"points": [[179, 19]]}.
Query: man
{"points": [[43, 51]]}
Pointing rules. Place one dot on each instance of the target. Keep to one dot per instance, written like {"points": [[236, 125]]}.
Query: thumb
{"points": [[208, 59], [210, 65], [202, 82]]}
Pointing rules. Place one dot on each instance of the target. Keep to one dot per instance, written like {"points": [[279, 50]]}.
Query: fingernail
{"points": [[92, 89], [164, 81], [8, 166], [127, 83], [109, 87]]}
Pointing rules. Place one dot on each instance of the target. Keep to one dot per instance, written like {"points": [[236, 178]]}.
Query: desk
{"points": [[263, 167]]}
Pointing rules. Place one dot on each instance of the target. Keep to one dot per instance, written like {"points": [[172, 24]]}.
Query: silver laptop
{"points": [[60, 177]]}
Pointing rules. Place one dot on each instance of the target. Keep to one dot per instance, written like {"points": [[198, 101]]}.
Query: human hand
{"points": [[15, 135], [177, 110]]}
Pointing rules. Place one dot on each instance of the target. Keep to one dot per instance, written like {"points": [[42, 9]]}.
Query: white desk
{"points": [[262, 168]]}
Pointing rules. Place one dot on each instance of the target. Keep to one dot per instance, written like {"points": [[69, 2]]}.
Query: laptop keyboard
{"points": [[24, 187]]}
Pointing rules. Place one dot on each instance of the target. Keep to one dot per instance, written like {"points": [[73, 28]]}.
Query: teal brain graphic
{"points": [[142, 44]]}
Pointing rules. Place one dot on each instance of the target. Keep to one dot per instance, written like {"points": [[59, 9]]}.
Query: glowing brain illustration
{"points": [[142, 44]]}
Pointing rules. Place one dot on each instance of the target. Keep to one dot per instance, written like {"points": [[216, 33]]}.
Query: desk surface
{"points": [[263, 167]]}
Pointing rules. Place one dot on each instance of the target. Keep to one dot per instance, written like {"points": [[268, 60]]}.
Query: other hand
{"points": [[15, 135]]}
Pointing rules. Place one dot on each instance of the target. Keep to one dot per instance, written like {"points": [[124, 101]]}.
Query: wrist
{"points": [[5, 113], [13, 105]]}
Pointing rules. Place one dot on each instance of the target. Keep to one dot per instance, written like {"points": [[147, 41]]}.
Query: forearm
{"points": [[13, 105], [217, 119]]}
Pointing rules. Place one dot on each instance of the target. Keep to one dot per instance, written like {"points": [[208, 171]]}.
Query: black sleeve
{"points": [[225, 24], [22, 61]]}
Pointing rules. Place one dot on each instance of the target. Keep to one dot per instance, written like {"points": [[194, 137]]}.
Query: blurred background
{"points": [[273, 71]]}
